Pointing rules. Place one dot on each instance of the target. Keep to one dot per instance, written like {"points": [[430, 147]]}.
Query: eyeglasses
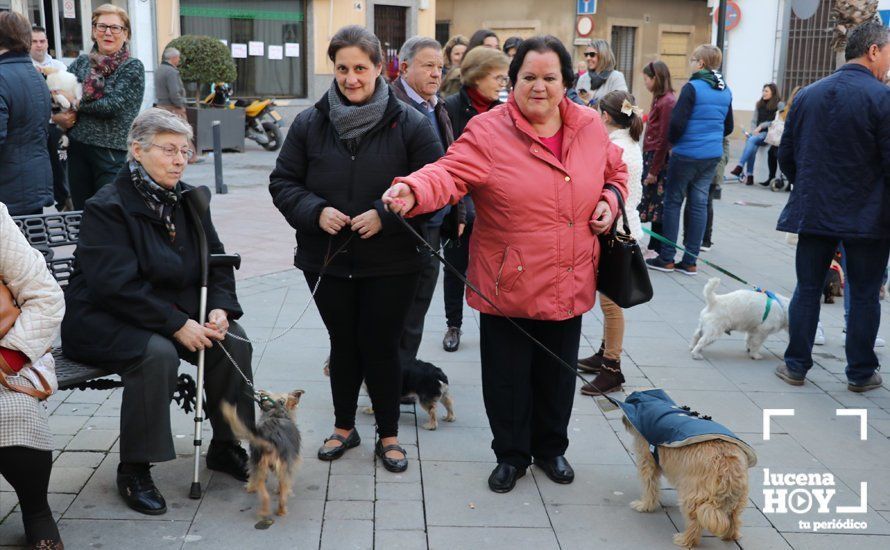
{"points": [[171, 150], [501, 79], [590, 54], [102, 27]]}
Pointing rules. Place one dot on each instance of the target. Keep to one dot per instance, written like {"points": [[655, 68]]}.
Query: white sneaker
{"points": [[820, 336], [879, 342]]}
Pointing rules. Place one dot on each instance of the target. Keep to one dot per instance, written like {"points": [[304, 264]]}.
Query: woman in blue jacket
{"points": [[26, 179], [699, 121]]}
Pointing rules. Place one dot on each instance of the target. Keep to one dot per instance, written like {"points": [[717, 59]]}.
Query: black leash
{"points": [[524, 332]]}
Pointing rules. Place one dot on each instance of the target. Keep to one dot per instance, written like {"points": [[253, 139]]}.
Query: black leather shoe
{"points": [[452, 339], [140, 493], [557, 469], [333, 453], [503, 478], [394, 465], [228, 457]]}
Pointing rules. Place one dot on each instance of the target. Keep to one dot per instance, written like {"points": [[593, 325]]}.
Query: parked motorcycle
{"points": [[262, 123]]}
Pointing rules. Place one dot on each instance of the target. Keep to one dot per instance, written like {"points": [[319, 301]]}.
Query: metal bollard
{"points": [[221, 188]]}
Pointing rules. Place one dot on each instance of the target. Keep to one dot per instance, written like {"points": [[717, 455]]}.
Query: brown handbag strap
{"points": [[40, 395]]}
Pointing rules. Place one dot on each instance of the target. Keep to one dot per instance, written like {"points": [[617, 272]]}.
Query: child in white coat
{"points": [[623, 120]]}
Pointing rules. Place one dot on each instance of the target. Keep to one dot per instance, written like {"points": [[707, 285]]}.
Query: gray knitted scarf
{"points": [[352, 122]]}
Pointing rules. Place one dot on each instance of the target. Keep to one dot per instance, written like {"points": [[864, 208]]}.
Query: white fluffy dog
{"points": [[744, 310], [63, 85]]}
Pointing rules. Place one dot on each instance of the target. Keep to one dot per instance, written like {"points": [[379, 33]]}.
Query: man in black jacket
{"points": [[420, 63]]}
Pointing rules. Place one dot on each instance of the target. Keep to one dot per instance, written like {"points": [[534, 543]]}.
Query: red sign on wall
{"points": [[733, 15]]}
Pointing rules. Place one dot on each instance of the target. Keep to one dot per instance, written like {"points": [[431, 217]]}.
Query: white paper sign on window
{"points": [[292, 49], [68, 9], [256, 48], [224, 41], [276, 52], [239, 51]]}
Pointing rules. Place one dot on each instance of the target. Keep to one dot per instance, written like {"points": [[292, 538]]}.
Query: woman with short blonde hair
{"points": [[601, 77]]}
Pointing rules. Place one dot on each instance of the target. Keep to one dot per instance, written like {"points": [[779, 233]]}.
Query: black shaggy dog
{"points": [[428, 384]]}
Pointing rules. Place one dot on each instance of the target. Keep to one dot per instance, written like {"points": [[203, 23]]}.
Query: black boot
{"points": [[749, 180], [228, 457], [593, 363], [135, 485], [737, 171], [607, 381]]}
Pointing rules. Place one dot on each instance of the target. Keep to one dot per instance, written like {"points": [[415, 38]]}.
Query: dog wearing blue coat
{"points": [[703, 460]]}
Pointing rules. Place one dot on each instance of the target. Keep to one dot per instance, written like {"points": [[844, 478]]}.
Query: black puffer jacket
{"points": [[315, 170]]}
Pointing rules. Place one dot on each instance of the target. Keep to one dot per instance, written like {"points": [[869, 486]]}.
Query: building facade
{"points": [[783, 41], [639, 31], [287, 40]]}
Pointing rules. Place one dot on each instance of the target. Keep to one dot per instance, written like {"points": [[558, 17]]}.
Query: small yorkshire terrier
{"points": [[274, 445], [711, 478]]}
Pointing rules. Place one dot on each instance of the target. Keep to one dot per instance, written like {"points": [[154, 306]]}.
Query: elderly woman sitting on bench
{"points": [[133, 300]]}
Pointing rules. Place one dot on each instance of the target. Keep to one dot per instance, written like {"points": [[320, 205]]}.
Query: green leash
{"points": [[770, 297]]}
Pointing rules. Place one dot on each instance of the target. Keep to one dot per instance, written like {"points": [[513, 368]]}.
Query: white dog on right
{"points": [[754, 313]]}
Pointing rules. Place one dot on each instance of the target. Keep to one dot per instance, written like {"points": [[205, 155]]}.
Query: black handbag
{"points": [[622, 274]]}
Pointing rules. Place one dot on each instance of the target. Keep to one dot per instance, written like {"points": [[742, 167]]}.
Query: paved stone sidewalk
{"points": [[442, 501]]}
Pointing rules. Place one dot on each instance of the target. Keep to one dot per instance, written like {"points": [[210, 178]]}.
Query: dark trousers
{"points": [[89, 168], [27, 470], [772, 160], [365, 318], [426, 286], [528, 395], [866, 261], [458, 255], [60, 181], [149, 384]]}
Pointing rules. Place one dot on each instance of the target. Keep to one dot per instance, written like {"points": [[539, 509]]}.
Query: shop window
{"points": [[71, 30], [273, 23], [443, 32], [390, 26]]}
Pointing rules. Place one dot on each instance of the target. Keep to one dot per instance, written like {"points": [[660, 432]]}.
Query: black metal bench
{"points": [[50, 234]]}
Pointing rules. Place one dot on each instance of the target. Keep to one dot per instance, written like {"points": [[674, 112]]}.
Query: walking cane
{"points": [[198, 201]]}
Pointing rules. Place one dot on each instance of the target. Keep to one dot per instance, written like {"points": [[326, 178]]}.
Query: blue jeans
{"points": [[690, 179], [866, 260], [750, 152]]}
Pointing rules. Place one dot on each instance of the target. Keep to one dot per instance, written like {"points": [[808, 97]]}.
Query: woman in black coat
{"points": [[338, 159], [132, 307]]}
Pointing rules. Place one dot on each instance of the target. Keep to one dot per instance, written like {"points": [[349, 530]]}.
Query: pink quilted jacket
{"points": [[532, 251]]}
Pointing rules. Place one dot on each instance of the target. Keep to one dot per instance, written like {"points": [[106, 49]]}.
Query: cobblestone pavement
{"points": [[442, 501]]}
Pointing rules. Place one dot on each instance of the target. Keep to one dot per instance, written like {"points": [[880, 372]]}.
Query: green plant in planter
{"points": [[205, 60]]}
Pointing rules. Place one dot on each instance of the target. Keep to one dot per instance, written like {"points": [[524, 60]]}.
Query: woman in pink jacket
{"points": [[536, 168]]}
